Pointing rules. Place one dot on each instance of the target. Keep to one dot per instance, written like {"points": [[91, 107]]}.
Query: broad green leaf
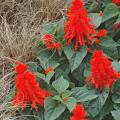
{"points": [[77, 59], [116, 106], [60, 85], [110, 11], [43, 57], [63, 69], [47, 59], [66, 94], [94, 107], [82, 94], [70, 103], [53, 109], [116, 98], [111, 52], [116, 65], [93, 6], [118, 19], [69, 52], [58, 98], [108, 42], [86, 72], [96, 19], [40, 75], [49, 76], [116, 114], [107, 108], [32, 66], [116, 87], [116, 92]]}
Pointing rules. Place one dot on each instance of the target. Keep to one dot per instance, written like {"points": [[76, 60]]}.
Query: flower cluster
{"points": [[79, 113], [49, 43], [28, 89], [102, 73], [78, 25], [99, 34]]}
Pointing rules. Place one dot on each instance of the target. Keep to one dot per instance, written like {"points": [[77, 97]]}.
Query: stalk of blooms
{"points": [[49, 43], [79, 113], [102, 73], [116, 1], [78, 25], [28, 90]]}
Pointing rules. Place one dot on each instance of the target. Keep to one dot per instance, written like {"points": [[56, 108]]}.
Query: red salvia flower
{"points": [[47, 38], [21, 68], [78, 25], [28, 90], [65, 100], [97, 41], [116, 26], [79, 113], [49, 42], [102, 73], [102, 33], [48, 70], [57, 45], [88, 49], [101, 13], [116, 1]]}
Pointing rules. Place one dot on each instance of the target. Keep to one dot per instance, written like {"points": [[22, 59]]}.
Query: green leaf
{"points": [[32, 66], [118, 19], [116, 65], [47, 59], [60, 85], [96, 19], [116, 92], [66, 94], [116, 114], [70, 103], [69, 52], [82, 94], [107, 108], [77, 59], [40, 75], [53, 109], [116, 98], [94, 107], [58, 98], [110, 11], [49, 76], [108, 42], [111, 52]]}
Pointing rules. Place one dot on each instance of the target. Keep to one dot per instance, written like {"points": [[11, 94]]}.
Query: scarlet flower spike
{"points": [[28, 90], [79, 113], [78, 25], [102, 73]]}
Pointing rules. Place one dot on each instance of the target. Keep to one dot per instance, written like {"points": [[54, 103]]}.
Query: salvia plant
{"points": [[75, 74]]}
